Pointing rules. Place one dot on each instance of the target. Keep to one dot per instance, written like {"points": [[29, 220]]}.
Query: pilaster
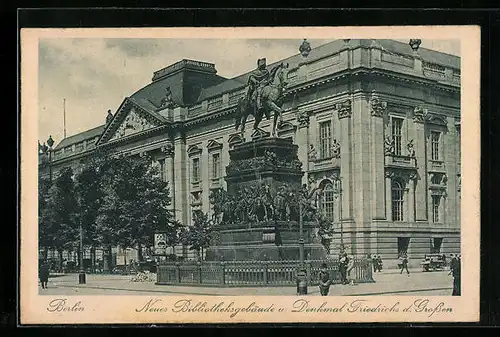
{"points": [[421, 191], [378, 111], [344, 114]]}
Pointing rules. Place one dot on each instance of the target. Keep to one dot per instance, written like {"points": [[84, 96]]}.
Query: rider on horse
{"points": [[257, 80]]}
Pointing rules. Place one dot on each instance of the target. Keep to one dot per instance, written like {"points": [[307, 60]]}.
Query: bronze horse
{"points": [[271, 96]]}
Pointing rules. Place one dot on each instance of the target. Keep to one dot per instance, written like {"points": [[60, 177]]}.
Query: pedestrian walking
{"points": [[324, 280], [350, 266], [343, 262], [404, 264], [455, 269], [43, 274], [379, 263]]}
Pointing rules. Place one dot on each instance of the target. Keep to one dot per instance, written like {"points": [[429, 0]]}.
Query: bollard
{"points": [[81, 278]]}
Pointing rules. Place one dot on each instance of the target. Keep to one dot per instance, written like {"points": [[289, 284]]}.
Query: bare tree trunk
{"points": [[107, 256], [60, 262], [139, 253], [93, 256]]}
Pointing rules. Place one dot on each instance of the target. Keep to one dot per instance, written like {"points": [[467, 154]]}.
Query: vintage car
{"points": [[433, 262]]}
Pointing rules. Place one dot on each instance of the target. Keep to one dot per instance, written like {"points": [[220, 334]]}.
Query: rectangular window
{"points": [[325, 139], [216, 166], [435, 145], [397, 126], [196, 170], [328, 205], [397, 201], [435, 208]]}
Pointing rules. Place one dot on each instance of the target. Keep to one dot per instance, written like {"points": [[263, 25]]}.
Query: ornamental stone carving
{"points": [[415, 44], [133, 123], [305, 48], [344, 109], [312, 153], [401, 174], [268, 161], [335, 149], [168, 149], [167, 101], [303, 119], [419, 114], [410, 148], [378, 108], [389, 146]]}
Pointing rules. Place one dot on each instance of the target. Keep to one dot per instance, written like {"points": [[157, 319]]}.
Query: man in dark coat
{"points": [[455, 266], [43, 272], [404, 264], [324, 280], [343, 262]]}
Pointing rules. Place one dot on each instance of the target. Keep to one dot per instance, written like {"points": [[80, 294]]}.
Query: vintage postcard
{"points": [[270, 174]]}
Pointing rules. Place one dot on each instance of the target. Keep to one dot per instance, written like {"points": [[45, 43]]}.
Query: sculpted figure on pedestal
{"points": [[264, 95]]}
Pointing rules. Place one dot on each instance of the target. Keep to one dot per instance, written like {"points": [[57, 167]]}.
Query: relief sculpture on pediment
{"points": [[133, 123]]}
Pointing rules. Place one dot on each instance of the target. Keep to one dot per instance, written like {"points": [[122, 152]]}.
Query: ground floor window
{"points": [[436, 199], [397, 201], [403, 244], [436, 245]]}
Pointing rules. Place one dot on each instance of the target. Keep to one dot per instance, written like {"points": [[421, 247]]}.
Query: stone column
{"points": [[421, 192], [344, 114], [302, 140], [378, 110], [411, 199], [181, 182]]}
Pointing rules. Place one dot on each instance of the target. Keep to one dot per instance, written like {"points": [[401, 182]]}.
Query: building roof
{"points": [[150, 96], [80, 137], [428, 55]]}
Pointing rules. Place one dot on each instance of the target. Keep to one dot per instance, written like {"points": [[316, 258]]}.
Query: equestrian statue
{"points": [[264, 95]]}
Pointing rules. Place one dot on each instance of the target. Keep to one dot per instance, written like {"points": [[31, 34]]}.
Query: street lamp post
{"points": [[81, 275], [50, 143], [302, 274]]}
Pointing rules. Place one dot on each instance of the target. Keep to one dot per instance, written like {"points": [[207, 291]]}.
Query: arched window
{"points": [[327, 200], [397, 201]]}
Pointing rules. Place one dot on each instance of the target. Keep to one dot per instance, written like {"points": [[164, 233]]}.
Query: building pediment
{"points": [[129, 120]]}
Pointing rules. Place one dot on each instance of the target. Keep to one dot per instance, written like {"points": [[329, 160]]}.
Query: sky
{"points": [[94, 75]]}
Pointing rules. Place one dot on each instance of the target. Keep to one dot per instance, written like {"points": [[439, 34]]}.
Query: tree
{"points": [[198, 235], [135, 204], [59, 219], [89, 196]]}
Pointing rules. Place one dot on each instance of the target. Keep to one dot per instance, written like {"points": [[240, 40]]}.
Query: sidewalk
{"points": [[387, 283]]}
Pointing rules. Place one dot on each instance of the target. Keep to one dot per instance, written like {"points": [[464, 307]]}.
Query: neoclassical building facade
{"points": [[377, 124]]}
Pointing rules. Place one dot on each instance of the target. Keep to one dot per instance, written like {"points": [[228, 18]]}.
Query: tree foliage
{"points": [[199, 235], [59, 223], [135, 203], [118, 200]]}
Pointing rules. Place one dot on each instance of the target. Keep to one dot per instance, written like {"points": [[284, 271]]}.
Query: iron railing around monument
{"points": [[255, 273]]}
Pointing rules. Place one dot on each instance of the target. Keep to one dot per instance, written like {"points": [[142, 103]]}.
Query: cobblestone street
{"points": [[387, 283]]}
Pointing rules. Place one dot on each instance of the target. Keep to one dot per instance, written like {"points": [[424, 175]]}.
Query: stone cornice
{"points": [[135, 136]]}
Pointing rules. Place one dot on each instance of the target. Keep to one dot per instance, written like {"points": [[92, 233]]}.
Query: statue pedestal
{"points": [[257, 171]]}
